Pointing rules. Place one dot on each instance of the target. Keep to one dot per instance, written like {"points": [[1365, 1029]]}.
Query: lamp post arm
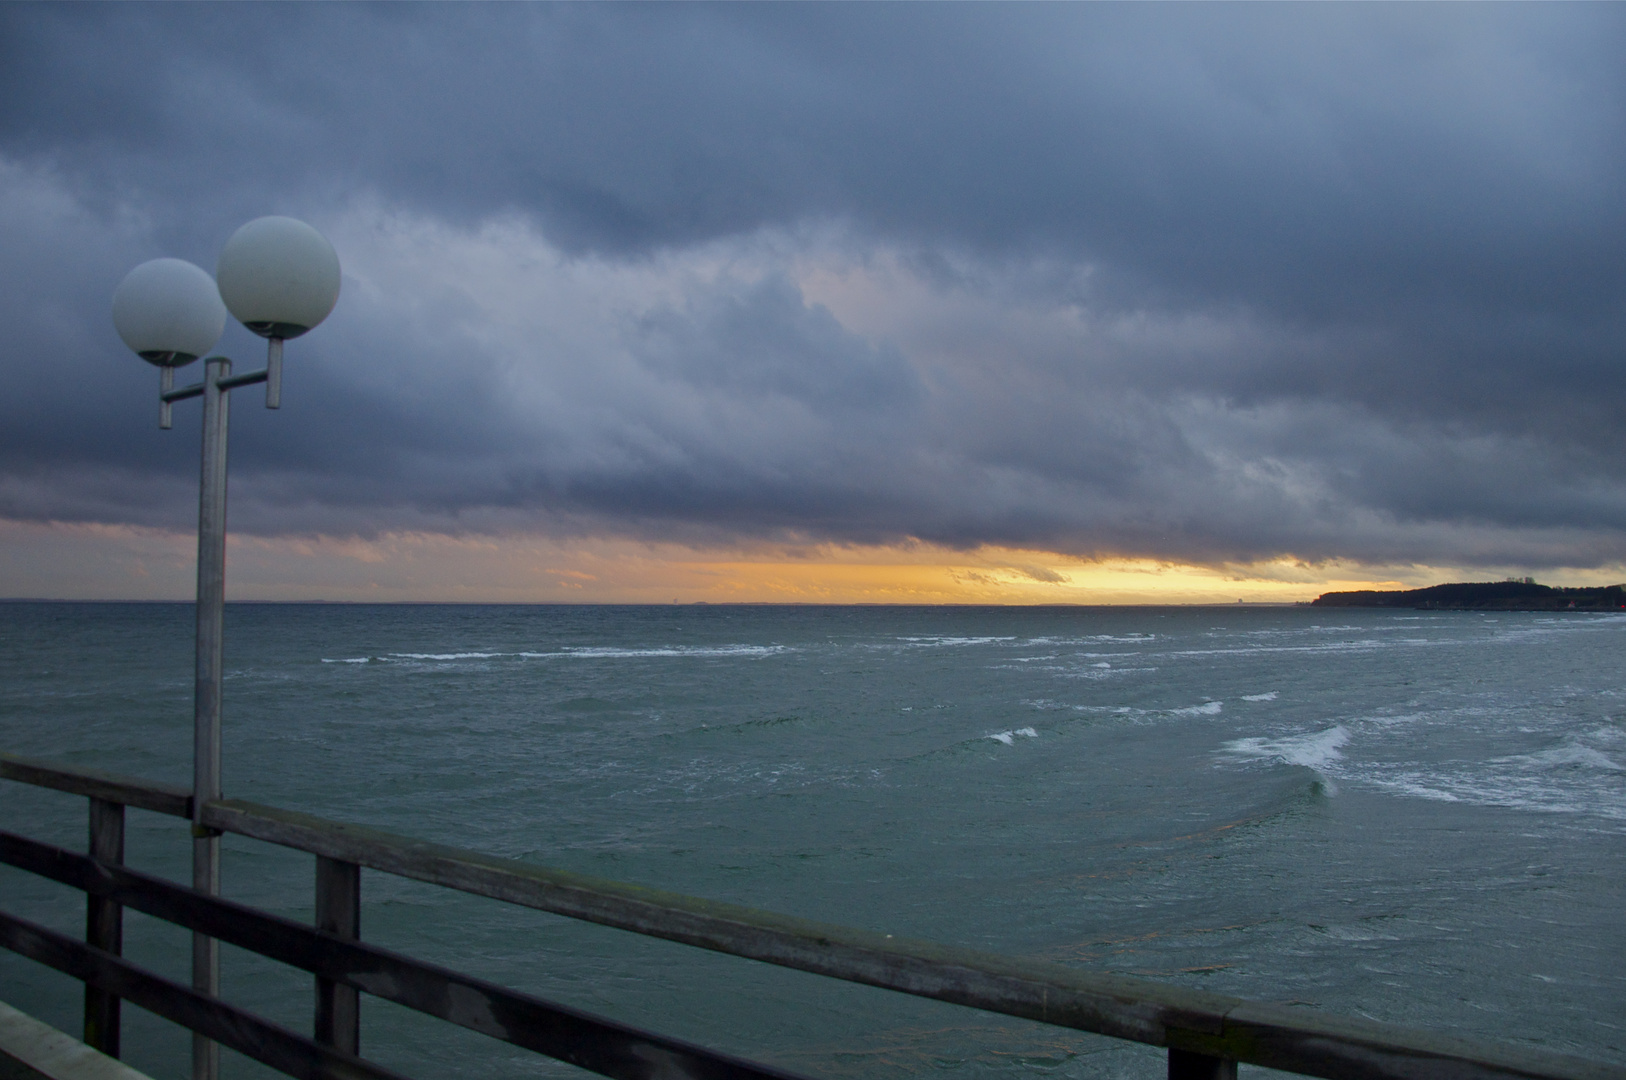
{"points": [[195, 390], [271, 375], [246, 379]]}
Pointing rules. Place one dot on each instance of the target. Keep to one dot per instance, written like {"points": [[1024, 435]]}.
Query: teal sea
{"points": [[1416, 817]]}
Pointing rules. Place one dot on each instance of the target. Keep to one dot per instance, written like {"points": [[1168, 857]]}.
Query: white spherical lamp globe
{"points": [[168, 311], [279, 277]]}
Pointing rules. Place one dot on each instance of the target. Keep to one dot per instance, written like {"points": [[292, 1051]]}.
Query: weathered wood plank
{"points": [[1207, 1024], [110, 787], [247, 1034], [1184, 1065], [1127, 1008], [603, 1046], [104, 925], [1347, 1048], [1210, 1024], [338, 912]]}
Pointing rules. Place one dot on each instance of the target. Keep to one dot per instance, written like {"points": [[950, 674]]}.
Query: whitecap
{"points": [[1101, 671], [586, 652], [1511, 782], [349, 660], [1207, 708], [1572, 754], [1315, 749], [1271, 696], [1009, 737], [446, 656]]}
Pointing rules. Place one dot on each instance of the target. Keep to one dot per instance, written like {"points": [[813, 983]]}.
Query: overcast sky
{"points": [[1208, 284]]}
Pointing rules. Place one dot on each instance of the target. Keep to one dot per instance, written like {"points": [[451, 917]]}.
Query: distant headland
{"points": [[1511, 595]]}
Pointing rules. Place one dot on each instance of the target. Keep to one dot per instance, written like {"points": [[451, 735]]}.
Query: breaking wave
{"points": [[1315, 750], [1009, 737]]}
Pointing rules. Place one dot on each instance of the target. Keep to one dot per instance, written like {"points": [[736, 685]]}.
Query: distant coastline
{"points": [[1523, 595]]}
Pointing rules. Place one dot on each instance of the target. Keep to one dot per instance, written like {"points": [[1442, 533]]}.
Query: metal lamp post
{"points": [[280, 278]]}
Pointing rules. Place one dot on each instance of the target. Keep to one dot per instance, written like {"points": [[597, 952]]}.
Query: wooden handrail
{"points": [[270, 1043], [109, 787], [1196, 1022], [1141, 1010], [605, 1046]]}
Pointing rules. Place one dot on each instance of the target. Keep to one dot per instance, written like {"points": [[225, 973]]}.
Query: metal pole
{"points": [[273, 373], [211, 609], [166, 383]]}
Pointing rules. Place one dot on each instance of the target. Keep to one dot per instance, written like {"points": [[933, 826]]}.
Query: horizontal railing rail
{"points": [[244, 1032], [1137, 1009], [109, 787], [600, 1045], [1206, 1034]]}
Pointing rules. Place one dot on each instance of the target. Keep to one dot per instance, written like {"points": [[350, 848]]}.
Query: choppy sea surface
{"points": [[1414, 817]]}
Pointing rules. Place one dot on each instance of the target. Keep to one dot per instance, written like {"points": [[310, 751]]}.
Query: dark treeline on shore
{"points": [[1484, 596]]}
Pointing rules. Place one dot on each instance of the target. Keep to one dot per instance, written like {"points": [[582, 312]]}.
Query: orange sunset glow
{"points": [[129, 563]]}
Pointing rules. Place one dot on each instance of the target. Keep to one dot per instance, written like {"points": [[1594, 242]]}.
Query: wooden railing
{"points": [[1206, 1035]]}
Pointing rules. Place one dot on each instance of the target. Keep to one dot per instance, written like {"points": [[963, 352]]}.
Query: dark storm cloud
{"points": [[1342, 280]]}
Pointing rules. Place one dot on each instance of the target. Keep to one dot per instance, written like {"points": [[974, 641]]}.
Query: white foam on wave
{"points": [[1577, 774], [1009, 737], [1573, 754], [1271, 696], [586, 652], [1207, 708], [1344, 646], [1415, 785], [1315, 749], [577, 652], [935, 641], [1101, 671], [1564, 780]]}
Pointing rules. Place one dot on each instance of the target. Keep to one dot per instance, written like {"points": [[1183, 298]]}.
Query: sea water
{"points": [[1413, 817]]}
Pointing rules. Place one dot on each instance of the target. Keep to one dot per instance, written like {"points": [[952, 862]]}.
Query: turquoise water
{"points": [[1415, 817]]}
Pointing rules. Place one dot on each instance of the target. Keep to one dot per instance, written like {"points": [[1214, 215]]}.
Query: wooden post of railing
{"points": [[104, 925], [338, 911], [1185, 1065]]}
